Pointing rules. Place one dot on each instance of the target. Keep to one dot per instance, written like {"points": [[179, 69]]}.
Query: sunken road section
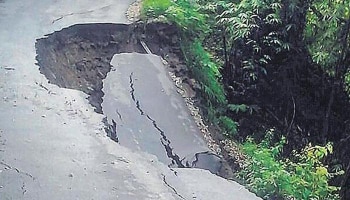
{"points": [[78, 57]]}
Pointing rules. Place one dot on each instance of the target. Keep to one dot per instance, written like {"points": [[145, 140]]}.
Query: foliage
{"points": [[347, 82], [257, 26], [243, 108], [323, 31], [155, 8], [181, 12], [304, 178], [205, 71], [187, 17], [230, 127]]}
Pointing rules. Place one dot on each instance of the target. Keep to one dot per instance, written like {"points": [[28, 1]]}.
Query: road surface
{"points": [[52, 143]]}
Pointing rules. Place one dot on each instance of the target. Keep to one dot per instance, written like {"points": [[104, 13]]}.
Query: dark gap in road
{"points": [[132, 93], [111, 129], [78, 57], [171, 187], [196, 161]]}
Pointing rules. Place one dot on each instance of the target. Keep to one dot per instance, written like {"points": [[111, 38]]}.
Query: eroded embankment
{"points": [[79, 57]]}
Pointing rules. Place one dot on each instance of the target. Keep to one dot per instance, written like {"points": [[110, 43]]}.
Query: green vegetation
{"points": [[303, 178], [324, 40], [205, 71], [153, 8], [180, 12], [281, 65]]}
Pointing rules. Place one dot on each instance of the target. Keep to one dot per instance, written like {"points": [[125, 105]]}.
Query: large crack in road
{"points": [[163, 138]]}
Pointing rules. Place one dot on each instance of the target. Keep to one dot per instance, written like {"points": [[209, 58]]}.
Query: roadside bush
{"points": [[181, 12], [187, 17], [303, 178], [155, 8], [206, 72]]}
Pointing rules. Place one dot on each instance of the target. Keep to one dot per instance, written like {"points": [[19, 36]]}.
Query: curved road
{"points": [[52, 144]]}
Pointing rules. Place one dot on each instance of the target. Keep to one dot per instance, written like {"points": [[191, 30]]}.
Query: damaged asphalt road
{"points": [[140, 97], [52, 142], [80, 57]]}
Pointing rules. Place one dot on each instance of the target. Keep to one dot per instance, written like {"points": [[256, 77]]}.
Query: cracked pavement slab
{"points": [[52, 143], [155, 118]]}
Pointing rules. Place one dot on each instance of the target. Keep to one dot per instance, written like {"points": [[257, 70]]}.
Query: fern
{"points": [[230, 126]]}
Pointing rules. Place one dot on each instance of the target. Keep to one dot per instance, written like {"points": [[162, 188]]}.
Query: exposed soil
{"points": [[78, 57]]}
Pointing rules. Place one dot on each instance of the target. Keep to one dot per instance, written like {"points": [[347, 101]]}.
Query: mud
{"points": [[79, 57]]}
